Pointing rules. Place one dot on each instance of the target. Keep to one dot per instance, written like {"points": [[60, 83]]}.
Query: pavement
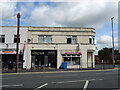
{"points": [[12, 72], [98, 67]]}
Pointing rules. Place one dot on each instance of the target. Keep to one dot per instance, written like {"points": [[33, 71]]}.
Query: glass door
{"points": [[46, 60]]}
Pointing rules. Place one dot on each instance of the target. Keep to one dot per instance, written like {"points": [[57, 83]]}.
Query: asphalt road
{"points": [[69, 79]]}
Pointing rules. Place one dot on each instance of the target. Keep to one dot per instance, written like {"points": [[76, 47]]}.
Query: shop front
{"points": [[9, 58], [72, 57], [43, 58]]}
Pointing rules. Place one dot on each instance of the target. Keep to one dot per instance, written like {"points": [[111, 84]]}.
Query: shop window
{"points": [[44, 39], [71, 39], [68, 60], [2, 38], [75, 60], [15, 39], [72, 60]]}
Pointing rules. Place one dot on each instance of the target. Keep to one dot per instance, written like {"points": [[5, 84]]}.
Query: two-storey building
{"points": [[50, 46], [8, 40]]}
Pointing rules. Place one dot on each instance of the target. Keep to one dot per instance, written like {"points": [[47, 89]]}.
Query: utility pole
{"points": [[17, 45], [112, 41]]}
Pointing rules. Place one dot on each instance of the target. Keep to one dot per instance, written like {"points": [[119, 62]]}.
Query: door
{"points": [[46, 60]]}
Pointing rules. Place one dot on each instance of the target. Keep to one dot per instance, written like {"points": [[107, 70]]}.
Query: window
{"points": [[71, 39], [2, 38], [72, 60], [91, 40], [44, 39], [15, 39]]}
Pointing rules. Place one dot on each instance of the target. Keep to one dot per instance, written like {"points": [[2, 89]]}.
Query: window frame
{"points": [[73, 39], [45, 38], [91, 40], [2, 38], [15, 39]]}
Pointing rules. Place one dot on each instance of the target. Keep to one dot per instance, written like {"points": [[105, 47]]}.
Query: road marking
{"points": [[62, 75], [100, 79], [69, 81], [41, 86], [11, 85], [106, 73], [8, 78], [86, 85], [76, 81]]}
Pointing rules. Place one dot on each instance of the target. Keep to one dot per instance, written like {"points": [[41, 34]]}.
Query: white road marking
{"points": [[76, 81], [41, 86], [69, 81], [86, 85], [9, 78], [11, 85], [100, 79], [62, 75]]}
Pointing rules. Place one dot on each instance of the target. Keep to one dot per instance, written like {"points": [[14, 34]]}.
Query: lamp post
{"points": [[112, 42], [17, 45]]}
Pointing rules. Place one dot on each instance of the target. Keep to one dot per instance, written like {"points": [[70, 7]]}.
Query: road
{"points": [[69, 79]]}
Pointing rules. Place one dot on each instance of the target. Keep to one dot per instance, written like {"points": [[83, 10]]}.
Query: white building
{"points": [[8, 41], [50, 46]]}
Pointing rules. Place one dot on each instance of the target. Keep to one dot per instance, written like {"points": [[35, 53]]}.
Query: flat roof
{"points": [[51, 27]]}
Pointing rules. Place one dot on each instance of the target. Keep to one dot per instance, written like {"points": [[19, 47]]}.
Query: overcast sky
{"points": [[63, 13]]}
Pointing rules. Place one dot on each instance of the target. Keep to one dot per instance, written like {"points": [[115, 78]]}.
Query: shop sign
{"points": [[44, 52], [70, 52], [51, 53], [39, 53], [8, 51]]}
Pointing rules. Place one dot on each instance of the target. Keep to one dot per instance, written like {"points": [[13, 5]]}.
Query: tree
{"points": [[105, 55]]}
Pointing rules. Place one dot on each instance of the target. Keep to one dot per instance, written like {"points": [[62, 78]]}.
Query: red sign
{"points": [[7, 51], [71, 52]]}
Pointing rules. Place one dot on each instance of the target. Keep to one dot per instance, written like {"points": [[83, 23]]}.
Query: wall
{"points": [[9, 32]]}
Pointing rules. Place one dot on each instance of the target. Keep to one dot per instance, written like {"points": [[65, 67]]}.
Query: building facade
{"points": [[51, 46], [8, 40]]}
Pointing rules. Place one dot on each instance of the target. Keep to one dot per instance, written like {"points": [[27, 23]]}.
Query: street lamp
{"points": [[112, 42], [17, 45]]}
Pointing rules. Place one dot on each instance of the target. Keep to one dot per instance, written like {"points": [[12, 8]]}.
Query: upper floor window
{"points": [[15, 39], [71, 39], [44, 39], [2, 38], [91, 40]]}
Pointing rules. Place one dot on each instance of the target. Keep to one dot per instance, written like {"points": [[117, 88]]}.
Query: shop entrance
{"points": [[9, 61], [73, 61], [44, 58]]}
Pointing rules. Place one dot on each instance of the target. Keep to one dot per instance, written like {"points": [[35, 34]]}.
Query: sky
{"points": [[66, 13]]}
